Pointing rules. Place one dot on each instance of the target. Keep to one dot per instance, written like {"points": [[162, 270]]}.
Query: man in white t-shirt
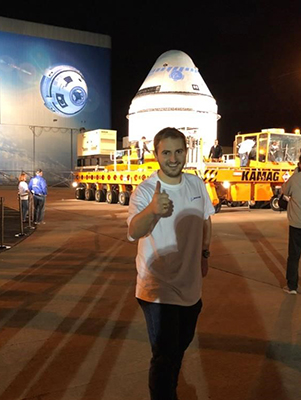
{"points": [[141, 149], [244, 150], [169, 214]]}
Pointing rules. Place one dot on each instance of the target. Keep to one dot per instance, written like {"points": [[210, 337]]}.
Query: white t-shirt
{"points": [[246, 146], [23, 190], [168, 261]]}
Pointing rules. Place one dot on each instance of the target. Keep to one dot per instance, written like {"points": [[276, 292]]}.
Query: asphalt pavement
{"points": [[71, 329]]}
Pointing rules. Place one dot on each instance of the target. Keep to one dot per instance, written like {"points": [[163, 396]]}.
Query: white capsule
{"points": [[174, 94]]}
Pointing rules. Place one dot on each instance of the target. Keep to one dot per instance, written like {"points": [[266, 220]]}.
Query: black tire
{"points": [[80, 193], [89, 194], [274, 204], [260, 205], [101, 195], [112, 197], [124, 198]]}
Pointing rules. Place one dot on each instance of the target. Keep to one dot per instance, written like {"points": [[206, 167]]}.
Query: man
{"points": [[141, 149], [216, 151], [274, 153], [169, 214], [38, 188], [292, 189], [244, 149]]}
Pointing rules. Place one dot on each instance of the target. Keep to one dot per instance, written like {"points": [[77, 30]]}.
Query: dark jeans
{"points": [[294, 252], [244, 158], [170, 329], [24, 207], [39, 207]]}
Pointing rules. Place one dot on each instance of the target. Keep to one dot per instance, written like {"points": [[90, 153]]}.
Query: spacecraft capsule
{"points": [[174, 94], [64, 90]]}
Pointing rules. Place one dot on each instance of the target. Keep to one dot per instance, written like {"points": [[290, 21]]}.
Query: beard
{"points": [[172, 170]]}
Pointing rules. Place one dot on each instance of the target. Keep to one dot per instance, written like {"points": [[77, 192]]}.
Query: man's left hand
{"points": [[204, 266]]}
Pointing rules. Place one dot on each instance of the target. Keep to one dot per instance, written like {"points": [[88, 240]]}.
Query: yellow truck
{"points": [[260, 163]]}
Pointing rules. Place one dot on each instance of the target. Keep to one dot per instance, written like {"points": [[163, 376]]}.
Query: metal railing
{"points": [[2, 245], [22, 217], [228, 158], [22, 226], [53, 178], [118, 155]]}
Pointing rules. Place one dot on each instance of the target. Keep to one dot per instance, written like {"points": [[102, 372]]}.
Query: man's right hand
{"points": [[160, 203]]}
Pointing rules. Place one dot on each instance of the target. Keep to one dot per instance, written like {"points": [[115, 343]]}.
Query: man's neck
{"points": [[169, 180]]}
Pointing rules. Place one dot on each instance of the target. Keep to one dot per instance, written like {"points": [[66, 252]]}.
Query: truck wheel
{"points": [[124, 198], [112, 196], [274, 203], [89, 194], [80, 193], [100, 195]]}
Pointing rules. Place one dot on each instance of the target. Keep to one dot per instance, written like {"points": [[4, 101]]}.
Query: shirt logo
{"points": [[194, 198]]}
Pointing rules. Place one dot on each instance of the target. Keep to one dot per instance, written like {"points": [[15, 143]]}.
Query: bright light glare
{"points": [[74, 184], [226, 184]]}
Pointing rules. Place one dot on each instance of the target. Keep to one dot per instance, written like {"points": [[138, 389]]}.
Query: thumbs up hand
{"points": [[161, 204], [144, 222]]}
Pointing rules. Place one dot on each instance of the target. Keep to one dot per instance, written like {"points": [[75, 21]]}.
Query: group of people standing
{"points": [[37, 187]]}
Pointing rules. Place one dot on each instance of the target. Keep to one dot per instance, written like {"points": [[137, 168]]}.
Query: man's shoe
{"points": [[289, 291]]}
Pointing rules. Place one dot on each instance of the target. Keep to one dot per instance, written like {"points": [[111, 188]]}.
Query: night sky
{"points": [[248, 52]]}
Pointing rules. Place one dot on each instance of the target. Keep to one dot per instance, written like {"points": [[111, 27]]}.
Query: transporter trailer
{"points": [[252, 177]]}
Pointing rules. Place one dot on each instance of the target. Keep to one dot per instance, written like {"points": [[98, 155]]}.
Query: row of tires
{"points": [[273, 204], [113, 196], [103, 195]]}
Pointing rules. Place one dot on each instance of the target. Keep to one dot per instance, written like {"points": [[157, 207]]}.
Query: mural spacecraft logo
{"points": [[64, 90]]}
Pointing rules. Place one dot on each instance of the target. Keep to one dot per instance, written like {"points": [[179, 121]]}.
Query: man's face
{"points": [[171, 156], [216, 142]]}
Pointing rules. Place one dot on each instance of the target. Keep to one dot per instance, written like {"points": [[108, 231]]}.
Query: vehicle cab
{"points": [[272, 147]]}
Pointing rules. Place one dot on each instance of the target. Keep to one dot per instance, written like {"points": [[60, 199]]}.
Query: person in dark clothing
{"points": [[292, 190], [38, 187], [216, 151]]}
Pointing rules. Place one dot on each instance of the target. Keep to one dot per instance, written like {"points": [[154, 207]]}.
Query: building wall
{"points": [[52, 81]]}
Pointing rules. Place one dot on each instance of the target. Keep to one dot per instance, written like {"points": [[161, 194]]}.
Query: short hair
{"points": [[166, 133], [38, 171]]}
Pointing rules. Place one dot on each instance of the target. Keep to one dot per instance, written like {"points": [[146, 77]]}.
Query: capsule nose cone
{"points": [[174, 71], [173, 94]]}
